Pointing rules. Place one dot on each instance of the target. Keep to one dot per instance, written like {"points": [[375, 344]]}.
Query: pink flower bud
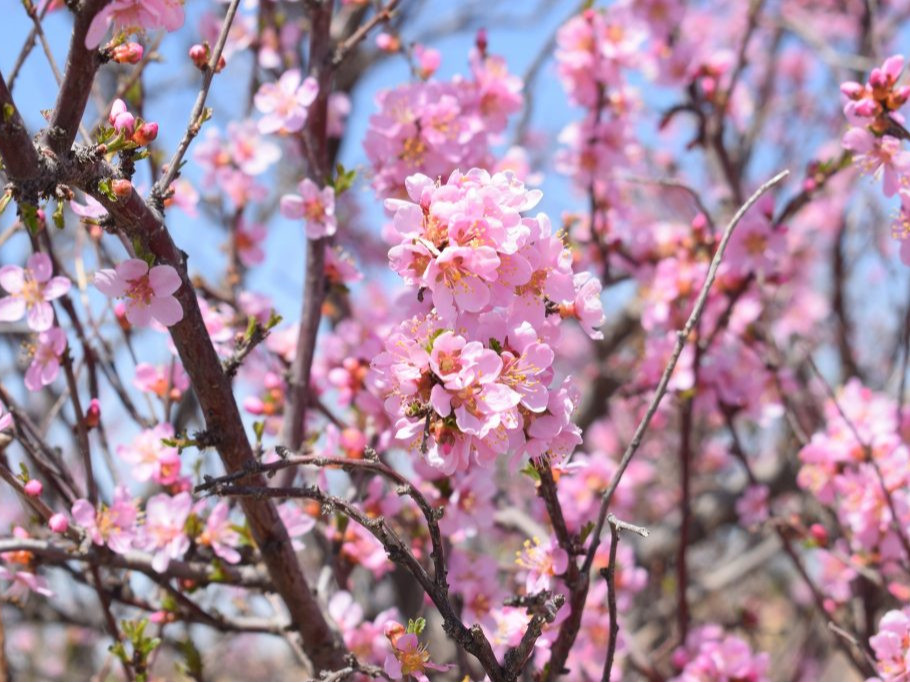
{"points": [[120, 118], [481, 41], [33, 487], [852, 90], [58, 523], [866, 108], [93, 414], [878, 79], [353, 442], [120, 312], [122, 187], [145, 133], [127, 53], [819, 534], [199, 53], [387, 42], [428, 60]]}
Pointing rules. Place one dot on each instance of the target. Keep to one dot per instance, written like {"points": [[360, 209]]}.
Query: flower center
{"points": [[141, 290]]}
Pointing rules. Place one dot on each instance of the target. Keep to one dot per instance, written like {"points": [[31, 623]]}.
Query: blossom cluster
{"points": [[858, 465], [876, 136], [470, 374], [433, 127]]}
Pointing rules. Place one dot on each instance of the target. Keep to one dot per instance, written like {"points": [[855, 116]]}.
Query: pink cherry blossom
{"points": [[285, 103], [891, 645], [6, 418], [164, 381], [752, 507], [114, 526], [543, 562], [316, 206], [131, 16], [875, 155], [220, 535], [165, 518], [148, 292], [409, 658], [150, 458], [45, 363], [31, 289]]}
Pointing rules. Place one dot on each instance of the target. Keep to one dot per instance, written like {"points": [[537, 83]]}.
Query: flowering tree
{"points": [[587, 362]]}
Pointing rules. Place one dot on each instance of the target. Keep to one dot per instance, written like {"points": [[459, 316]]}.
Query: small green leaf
{"points": [[104, 187], [531, 471], [586, 531], [58, 215], [8, 112], [29, 215], [416, 626], [192, 660]]}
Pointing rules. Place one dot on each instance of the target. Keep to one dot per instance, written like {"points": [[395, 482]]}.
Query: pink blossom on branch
{"points": [[115, 526], [316, 206], [148, 292], [132, 16], [46, 360], [31, 289], [164, 534], [285, 104]]}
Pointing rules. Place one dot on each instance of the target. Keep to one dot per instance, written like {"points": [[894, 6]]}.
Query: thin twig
{"points": [[160, 189], [681, 339]]}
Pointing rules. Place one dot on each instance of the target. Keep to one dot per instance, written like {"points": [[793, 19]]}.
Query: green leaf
{"points": [[416, 626], [343, 179], [259, 430], [58, 215], [104, 187], [29, 215], [8, 112], [531, 471], [586, 531], [192, 660]]}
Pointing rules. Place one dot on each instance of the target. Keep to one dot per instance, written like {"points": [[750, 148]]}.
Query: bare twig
{"points": [[159, 191]]}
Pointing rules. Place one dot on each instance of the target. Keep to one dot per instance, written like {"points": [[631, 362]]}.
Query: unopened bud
{"points": [[199, 53], [127, 53], [819, 534], [122, 187], [481, 41], [58, 523], [33, 488], [852, 90], [388, 43], [93, 414], [145, 133], [120, 312]]}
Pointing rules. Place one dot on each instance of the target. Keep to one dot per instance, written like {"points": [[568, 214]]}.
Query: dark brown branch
{"points": [[471, 639], [315, 138], [81, 65]]}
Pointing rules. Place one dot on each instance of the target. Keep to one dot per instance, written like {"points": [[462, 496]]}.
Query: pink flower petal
{"points": [[108, 283], [40, 265], [166, 310], [132, 269], [11, 309], [12, 278], [40, 316], [164, 280]]}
